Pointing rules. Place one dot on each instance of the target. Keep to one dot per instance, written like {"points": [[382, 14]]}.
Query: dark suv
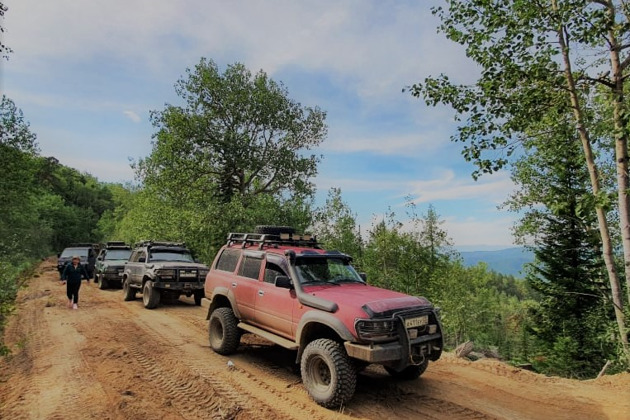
{"points": [[163, 269], [87, 253], [287, 289], [110, 264]]}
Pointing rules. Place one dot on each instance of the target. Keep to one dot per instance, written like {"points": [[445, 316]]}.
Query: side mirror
{"points": [[284, 282], [363, 277]]}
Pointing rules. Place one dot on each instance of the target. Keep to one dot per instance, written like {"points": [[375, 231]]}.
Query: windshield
{"points": [[70, 252], [171, 256], [326, 270], [117, 254]]}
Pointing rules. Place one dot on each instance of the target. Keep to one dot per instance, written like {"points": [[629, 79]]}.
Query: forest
{"points": [[239, 152]]}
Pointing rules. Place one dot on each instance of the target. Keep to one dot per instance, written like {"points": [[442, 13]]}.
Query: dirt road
{"points": [[112, 359]]}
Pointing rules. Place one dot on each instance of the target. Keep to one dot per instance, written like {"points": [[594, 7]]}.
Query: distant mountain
{"points": [[505, 261]]}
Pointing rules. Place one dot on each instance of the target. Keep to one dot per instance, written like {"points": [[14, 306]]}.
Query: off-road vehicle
{"points": [[285, 288], [110, 264], [163, 270], [86, 251]]}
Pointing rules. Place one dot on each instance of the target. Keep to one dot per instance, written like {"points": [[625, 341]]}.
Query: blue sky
{"points": [[86, 74]]}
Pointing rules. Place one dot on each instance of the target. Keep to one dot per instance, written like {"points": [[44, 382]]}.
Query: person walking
{"points": [[71, 277]]}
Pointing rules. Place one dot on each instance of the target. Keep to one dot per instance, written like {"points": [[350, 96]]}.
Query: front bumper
{"points": [[178, 285], [426, 346]]}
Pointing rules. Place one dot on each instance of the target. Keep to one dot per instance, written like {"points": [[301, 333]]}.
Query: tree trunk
{"points": [[621, 147], [607, 248]]}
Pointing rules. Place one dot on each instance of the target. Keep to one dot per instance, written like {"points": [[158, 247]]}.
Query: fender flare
{"points": [[229, 295], [324, 318]]}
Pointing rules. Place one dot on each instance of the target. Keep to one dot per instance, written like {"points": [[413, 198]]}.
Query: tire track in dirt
{"points": [[228, 382], [52, 369]]}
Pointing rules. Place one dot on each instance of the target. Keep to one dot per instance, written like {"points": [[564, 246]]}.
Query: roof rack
{"points": [[151, 242], [115, 243], [286, 239]]}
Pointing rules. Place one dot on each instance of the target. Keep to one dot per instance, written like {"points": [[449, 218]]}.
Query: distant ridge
{"points": [[509, 261]]}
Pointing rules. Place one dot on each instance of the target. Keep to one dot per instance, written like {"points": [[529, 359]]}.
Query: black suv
{"points": [[110, 264], [87, 253], [163, 269]]}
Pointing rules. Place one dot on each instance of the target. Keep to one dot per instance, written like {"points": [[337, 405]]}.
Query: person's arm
{"points": [[64, 273]]}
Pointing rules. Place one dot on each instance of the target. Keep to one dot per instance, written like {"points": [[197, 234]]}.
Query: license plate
{"points": [[188, 274], [417, 322]]}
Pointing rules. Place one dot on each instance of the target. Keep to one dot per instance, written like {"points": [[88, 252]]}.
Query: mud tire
{"points": [[102, 282], [198, 295], [223, 332], [129, 293], [328, 374], [150, 296], [409, 373]]}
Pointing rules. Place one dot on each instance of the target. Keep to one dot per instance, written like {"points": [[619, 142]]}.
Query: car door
{"points": [[274, 305], [245, 286]]}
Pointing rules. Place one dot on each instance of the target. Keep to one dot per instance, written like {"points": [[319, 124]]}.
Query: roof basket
{"points": [[262, 240]]}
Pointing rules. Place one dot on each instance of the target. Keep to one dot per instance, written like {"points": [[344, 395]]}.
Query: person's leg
{"points": [[76, 294], [69, 294]]}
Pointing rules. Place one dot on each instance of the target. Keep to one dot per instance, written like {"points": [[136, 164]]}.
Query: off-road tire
{"points": [[198, 295], [410, 372], [150, 296], [102, 281], [223, 333], [273, 230], [328, 374], [129, 293]]}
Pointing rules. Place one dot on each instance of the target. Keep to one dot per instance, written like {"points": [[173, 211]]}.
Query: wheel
{"points": [[410, 372], [102, 282], [328, 373], [222, 330], [198, 295], [129, 293], [273, 230], [150, 296]]}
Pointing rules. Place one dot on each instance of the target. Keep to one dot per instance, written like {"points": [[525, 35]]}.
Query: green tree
{"points": [[4, 49], [539, 59], [238, 134], [336, 226]]}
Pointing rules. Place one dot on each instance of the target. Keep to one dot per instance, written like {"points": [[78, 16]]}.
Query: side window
{"points": [[137, 255], [271, 272], [228, 259], [250, 267]]}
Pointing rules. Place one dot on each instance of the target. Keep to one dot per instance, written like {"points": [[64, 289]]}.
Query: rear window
{"points": [[71, 252], [228, 259]]}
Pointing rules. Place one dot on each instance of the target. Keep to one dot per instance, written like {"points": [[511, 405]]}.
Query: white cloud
{"points": [[477, 232], [132, 116], [493, 188]]}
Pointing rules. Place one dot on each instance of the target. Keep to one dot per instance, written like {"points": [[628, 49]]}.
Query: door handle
{"points": [[261, 293], [234, 284]]}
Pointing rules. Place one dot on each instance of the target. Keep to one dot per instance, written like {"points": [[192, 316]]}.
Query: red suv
{"points": [[287, 289]]}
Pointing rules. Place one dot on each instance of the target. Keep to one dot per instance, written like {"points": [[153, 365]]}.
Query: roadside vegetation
{"points": [[238, 152]]}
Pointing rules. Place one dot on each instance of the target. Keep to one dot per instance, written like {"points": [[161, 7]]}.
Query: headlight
{"points": [[203, 273], [376, 329], [165, 274]]}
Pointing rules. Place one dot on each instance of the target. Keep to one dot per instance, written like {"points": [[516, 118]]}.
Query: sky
{"points": [[86, 75]]}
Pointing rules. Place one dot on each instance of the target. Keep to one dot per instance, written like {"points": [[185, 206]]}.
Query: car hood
{"points": [[373, 300]]}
